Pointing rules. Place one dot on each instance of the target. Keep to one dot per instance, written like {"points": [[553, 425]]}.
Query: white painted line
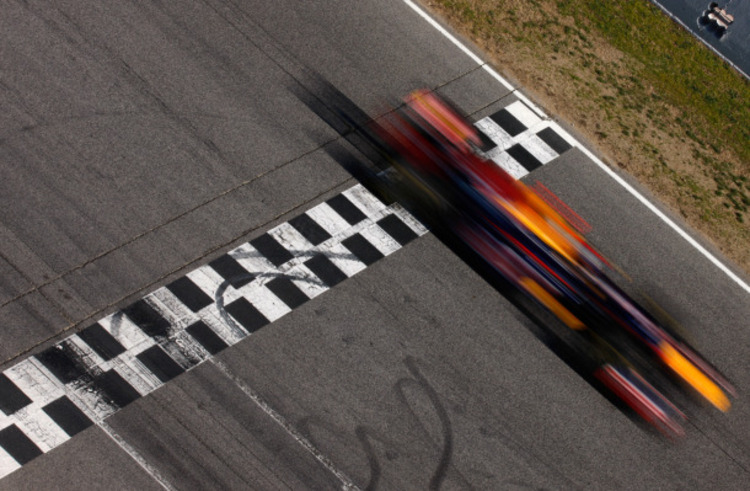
{"points": [[7, 464], [346, 482], [586, 151], [667, 220], [326, 217], [539, 149], [290, 239], [522, 113], [495, 133], [564, 134], [705, 43], [518, 94], [380, 239], [448, 35], [364, 200], [137, 457]]}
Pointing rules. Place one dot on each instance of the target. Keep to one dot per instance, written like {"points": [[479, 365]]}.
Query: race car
{"points": [[433, 151], [716, 18]]}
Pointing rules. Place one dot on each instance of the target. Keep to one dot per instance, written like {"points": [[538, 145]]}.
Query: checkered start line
{"points": [[519, 141], [50, 397]]}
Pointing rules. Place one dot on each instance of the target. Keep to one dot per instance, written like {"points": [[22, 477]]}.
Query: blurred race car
{"points": [[433, 151]]}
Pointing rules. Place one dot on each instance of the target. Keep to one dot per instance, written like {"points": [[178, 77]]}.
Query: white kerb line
{"points": [[667, 220], [586, 151]]}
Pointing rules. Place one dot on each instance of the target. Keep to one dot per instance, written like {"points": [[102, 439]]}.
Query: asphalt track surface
{"points": [[142, 141]]}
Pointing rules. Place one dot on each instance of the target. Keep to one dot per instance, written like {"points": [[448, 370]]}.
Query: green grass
{"points": [[651, 96], [686, 74]]}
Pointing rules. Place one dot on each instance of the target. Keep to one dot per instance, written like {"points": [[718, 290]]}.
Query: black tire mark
{"points": [[447, 431], [222, 288], [366, 436], [363, 435]]}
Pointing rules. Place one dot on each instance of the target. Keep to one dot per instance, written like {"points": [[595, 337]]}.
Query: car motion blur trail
{"points": [[429, 158]]}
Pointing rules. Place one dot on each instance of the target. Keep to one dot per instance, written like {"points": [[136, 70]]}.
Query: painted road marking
{"points": [[78, 383], [519, 141], [87, 377]]}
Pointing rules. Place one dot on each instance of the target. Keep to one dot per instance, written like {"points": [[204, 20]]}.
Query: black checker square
{"points": [[101, 341], [554, 140], [310, 229], [396, 228], [119, 391], [271, 249], [190, 294], [67, 416], [11, 397], [324, 269], [246, 314], [63, 363], [346, 209], [360, 247], [147, 318], [508, 122], [524, 157], [232, 271], [207, 338], [287, 291], [160, 363], [18, 445]]}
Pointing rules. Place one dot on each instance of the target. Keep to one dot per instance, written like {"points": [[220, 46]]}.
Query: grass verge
{"points": [[649, 96]]}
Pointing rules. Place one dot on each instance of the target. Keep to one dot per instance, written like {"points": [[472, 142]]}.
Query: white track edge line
{"points": [[725, 269], [667, 220], [136, 456], [346, 482]]}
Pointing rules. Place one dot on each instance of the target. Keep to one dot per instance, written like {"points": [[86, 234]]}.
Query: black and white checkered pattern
{"points": [[50, 397], [519, 140]]}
